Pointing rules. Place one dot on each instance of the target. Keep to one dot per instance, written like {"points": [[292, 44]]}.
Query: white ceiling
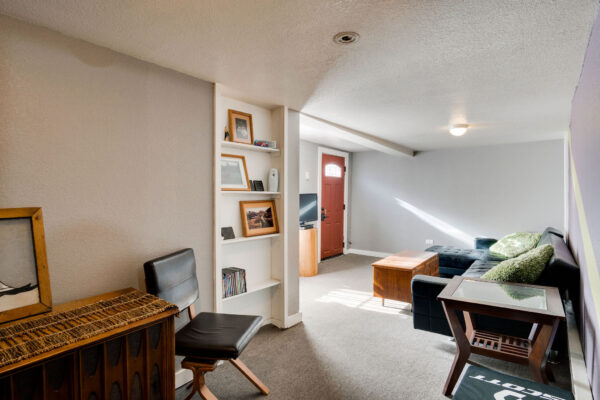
{"points": [[508, 67]]}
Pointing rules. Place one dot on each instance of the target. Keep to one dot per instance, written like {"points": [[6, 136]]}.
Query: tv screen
{"points": [[308, 207]]}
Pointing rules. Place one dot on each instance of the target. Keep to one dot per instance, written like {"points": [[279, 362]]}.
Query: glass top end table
{"points": [[502, 294], [539, 305]]}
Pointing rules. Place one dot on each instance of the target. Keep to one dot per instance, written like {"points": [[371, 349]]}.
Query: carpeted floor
{"points": [[348, 347]]}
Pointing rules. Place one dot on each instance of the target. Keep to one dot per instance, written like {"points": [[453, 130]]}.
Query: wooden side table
{"points": [[392, 275], [539, 305], [309, 264]]}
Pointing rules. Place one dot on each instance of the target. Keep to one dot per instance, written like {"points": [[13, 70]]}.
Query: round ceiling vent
{"points": [[346, 37]]}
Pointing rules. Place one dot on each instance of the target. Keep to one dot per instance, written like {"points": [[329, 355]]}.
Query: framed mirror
{"points": [[24, 279]]}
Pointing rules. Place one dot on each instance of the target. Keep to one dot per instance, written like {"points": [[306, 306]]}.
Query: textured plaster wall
{"points": [[116, 151]]}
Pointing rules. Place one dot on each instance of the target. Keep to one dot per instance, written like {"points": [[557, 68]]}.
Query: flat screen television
{"points": [[308, 208]]}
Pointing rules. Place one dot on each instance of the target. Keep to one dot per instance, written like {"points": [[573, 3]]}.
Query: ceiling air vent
{"points": [[346, 37]]}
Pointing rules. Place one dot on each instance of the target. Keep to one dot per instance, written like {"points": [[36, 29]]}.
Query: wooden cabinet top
{"points": [[74, 305], [407, 259]]}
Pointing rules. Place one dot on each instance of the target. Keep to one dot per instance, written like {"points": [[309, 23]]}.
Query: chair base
{"points": [[200, 367]]}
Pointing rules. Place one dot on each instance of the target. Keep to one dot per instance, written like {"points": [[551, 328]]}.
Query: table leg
{"points": [[469, 325], [535, 331], [463, 349], [543, 341]]}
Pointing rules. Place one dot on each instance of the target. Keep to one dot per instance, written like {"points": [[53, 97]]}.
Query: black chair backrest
{"points": [[173, 278]]}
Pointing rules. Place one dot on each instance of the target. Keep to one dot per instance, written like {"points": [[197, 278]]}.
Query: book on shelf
{"points": [[234, 281]]}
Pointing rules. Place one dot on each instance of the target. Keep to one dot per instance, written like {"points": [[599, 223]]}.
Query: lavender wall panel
{"points": [[584, 200]]}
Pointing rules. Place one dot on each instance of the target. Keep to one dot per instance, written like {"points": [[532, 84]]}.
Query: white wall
{"points": [[118, 152], [451, 196], [308, 164], [293, 205]]}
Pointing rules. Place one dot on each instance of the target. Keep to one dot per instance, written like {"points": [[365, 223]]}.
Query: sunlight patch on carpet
{"points": [[365, 301]]}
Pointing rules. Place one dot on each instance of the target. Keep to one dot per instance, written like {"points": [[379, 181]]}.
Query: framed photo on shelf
{"points": [[24, 279], [258, 217], [234, 174], [240, 127]]}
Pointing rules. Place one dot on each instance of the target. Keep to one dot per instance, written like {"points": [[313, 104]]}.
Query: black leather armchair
{"points": [[208, 337]]}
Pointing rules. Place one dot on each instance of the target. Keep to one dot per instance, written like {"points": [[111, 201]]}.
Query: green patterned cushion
{"points": [[515, 244], [526, 268]]}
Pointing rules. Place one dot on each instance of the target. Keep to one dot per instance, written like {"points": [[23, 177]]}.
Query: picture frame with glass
{"points": [[258, 218], [24, 279], [234, 174], [240, 127]]}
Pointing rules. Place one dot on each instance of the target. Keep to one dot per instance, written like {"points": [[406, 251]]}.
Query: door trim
{"points": [[325, 150]]}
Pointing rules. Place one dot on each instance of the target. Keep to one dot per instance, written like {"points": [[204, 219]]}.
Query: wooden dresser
{"points": [[132, 361]]}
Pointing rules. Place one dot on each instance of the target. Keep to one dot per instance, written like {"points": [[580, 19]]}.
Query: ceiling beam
{"points": [[357, 137]]}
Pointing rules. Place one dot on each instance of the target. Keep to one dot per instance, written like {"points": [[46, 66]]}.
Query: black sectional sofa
{"points": [[428, 314]]}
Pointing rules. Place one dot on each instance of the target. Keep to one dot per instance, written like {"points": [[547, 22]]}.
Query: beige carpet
{"points": [[348, 347]]}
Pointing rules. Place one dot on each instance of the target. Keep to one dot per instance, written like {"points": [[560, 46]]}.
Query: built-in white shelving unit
{"points": [[248, 239], [249, 193], [255, 288], [264, 258], [242, 146]]}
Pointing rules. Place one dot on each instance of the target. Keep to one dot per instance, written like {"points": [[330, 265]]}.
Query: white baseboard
{"points": [[292, 320], [369, 253], [272, 321], [182, 377], [580, 384]]}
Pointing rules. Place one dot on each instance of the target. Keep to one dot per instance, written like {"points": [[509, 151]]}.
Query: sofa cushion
{"points": [[479, 267], [515, 244], [493, 257], [525, 268], [455, 257]]}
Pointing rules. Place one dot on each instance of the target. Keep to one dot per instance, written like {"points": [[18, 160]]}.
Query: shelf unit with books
{"points": [[248, 239], [250, 193], [264, 258], [269, 283], [250, 147]]}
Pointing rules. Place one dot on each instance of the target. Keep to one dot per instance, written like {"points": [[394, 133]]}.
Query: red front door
{"points": [[332, 205]]}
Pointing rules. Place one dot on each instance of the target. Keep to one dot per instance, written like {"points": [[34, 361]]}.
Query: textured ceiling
{"points": [[508, 67]]}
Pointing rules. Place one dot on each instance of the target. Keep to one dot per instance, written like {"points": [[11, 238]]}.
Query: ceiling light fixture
{"points": [[346, 37], [459, 129]]}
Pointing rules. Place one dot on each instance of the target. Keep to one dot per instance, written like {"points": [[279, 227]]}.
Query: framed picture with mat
{"points": [[258, 217], [240, 127], [24, 278], [234, 174]]}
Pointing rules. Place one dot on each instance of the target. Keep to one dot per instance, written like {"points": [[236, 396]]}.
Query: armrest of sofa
{"points": [[428, 313], [484, 243]]}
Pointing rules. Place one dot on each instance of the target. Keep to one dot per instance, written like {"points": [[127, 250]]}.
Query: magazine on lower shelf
{"points": [[234, 281]]}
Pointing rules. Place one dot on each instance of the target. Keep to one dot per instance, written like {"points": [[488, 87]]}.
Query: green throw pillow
{"points": [[515, 244], [526, 268]]}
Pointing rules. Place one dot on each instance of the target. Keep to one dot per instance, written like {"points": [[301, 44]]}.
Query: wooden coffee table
{"points": [[539, 305], [392, 275]]}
